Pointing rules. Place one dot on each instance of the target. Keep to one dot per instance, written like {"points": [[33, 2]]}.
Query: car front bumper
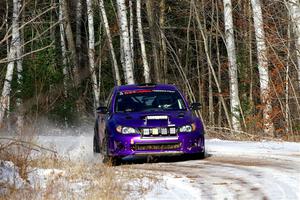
{"points": [[134, 145]]}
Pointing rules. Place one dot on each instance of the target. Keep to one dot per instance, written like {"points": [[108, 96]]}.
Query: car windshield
{"points": [[149, 100]]}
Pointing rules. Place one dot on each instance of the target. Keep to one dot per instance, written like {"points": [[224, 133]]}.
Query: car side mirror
{"points": [[195, 106], [102, 110]]}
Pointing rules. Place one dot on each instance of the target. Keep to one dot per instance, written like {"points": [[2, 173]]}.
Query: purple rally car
{"points": [[148, 119]]}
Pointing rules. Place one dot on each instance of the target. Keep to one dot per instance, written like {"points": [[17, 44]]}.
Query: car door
{"points": [[102, 118]]}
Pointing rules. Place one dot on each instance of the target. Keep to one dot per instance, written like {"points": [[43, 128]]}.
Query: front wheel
{"points": [[107, 159]]}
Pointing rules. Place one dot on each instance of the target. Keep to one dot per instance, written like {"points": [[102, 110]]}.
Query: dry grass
{"points": [[225, 134], [66, 179]]}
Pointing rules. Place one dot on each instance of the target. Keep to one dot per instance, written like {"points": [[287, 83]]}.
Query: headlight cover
{"points": [[125, 130], [188, 128]]}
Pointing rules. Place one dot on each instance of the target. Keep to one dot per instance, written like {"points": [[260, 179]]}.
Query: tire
{"points": [[96, 147], [201, 155], [107, 159]]}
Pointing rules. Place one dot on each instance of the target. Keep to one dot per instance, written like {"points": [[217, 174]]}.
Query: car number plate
{"points": [[155, 131]]}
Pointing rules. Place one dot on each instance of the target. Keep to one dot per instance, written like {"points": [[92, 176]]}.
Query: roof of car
{"points": [[147, 86]]}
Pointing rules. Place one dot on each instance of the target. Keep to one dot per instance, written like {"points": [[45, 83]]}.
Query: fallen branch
{"points": [[28, 143]]}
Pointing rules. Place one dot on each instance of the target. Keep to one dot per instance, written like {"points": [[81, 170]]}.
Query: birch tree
{"points": [[111, 47], [70, 40], [91, 51], [125, 40], [262, 67], [294, 12], [64, 54], [19, 62], [131, 32], [233, 80], [78, 30], [142, 41], [14, 54]]}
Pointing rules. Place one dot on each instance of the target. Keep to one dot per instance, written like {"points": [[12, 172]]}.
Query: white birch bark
{"points": [[262, 67], [15, 43], [111, 47], [231, 51], [142, 42], [131, 26], [294, 12], [91, 52], [124, 33], [63, 47], [64, 53], [19, 61]]}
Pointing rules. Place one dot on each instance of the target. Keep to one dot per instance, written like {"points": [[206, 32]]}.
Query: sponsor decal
{"points": [[128, 92]]}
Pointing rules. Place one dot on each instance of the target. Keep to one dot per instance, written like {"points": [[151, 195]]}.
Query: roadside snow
{"points": [[173, 188], [9, 177]]}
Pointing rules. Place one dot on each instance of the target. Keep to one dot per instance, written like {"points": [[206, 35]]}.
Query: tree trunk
{"points": [[154, 38], [294, 12], [91, 52], [111, 47], [201, 28], [124, 33], [142, 42], [263, 67], [131, 33], [14, 52], [78, 31], [231, 51], [64, 54], [163, 51], [19, 53], [70, 39]]}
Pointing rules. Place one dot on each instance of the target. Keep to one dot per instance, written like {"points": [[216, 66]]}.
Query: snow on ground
{"points": [[232, 170], [9, 176]]}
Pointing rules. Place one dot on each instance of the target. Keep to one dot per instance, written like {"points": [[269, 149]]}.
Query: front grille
{"points": [[145, 147], [160, 131]]}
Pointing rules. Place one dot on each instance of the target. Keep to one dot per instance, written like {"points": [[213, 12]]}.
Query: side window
{"points": [[108, 101]]}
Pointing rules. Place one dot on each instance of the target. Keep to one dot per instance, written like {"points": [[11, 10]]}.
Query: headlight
{"points": [[188, 128], [125, 130]]}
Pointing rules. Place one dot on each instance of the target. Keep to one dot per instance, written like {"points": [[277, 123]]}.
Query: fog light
{"points": [[172, 131], [146, 131], [164, 131]]}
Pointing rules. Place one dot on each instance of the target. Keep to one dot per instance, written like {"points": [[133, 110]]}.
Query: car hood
{"points": [[154, 119]]}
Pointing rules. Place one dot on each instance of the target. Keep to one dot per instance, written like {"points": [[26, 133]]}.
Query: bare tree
{"points": [[91, 52], [163, 52], [131, 32], [262, 66], [294, 12], [14, 54], [125, 40], [70, 40], [111, 47], [151, 19], [63, 53], [231, 51], [142, 42], [78, 30]]}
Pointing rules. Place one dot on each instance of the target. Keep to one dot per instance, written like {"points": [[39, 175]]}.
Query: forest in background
{"points": [[239, 58]]}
